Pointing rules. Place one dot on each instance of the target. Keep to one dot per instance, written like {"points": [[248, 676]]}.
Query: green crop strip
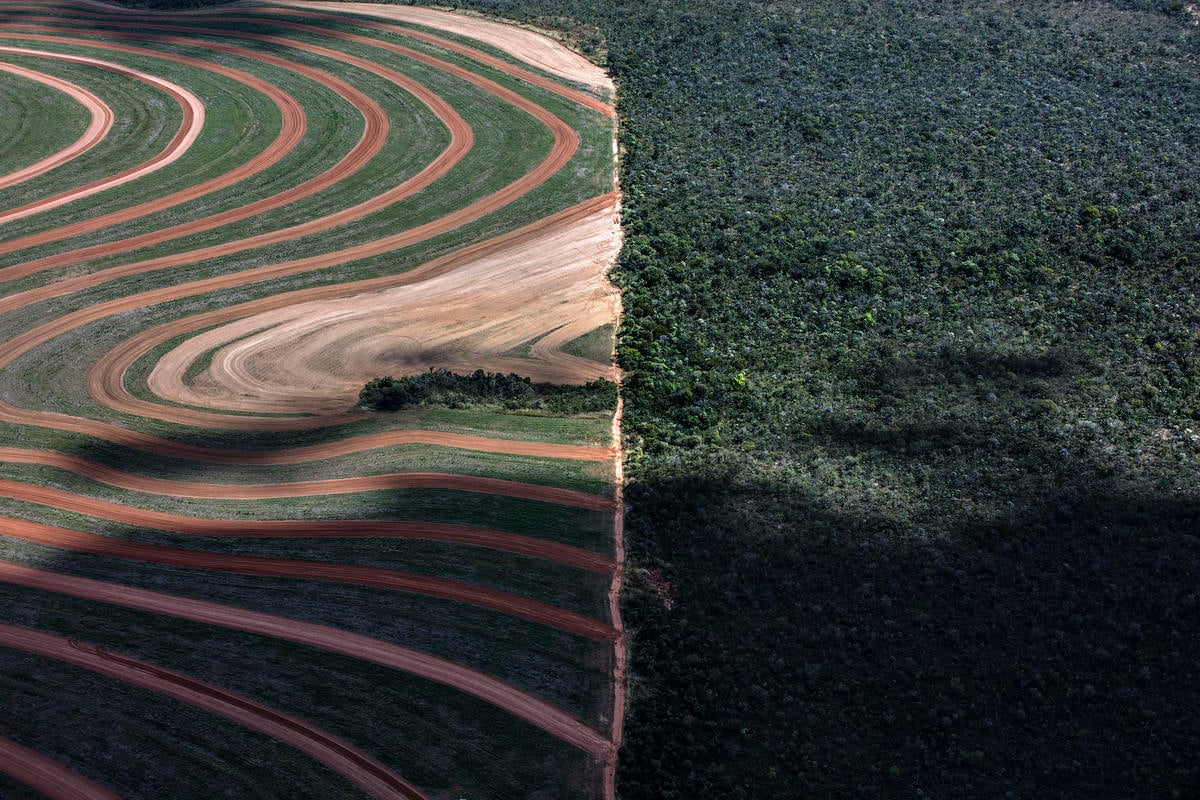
{"points": [[91, 722], [449, 735], [36, 121]]}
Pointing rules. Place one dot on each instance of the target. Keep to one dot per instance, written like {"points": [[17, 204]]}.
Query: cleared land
{"points": [[415, 605]]}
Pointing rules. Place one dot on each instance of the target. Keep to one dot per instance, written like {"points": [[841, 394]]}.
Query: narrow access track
{"points": [[343, 758], [469, 535], [52, 778], [101, 122]]}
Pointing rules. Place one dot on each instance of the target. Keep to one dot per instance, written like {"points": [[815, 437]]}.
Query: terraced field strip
{"points": [[101, 123], [48, 776], [193, 121], [146, 289]]}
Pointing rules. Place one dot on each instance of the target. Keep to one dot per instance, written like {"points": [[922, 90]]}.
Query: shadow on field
{"points": [[1028, 632]]}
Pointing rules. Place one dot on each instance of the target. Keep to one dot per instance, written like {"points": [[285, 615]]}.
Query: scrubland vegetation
{"points": [[912, 395]]}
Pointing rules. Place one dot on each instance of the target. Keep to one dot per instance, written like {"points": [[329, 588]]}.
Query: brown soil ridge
{"points": [[469, 535], [537, 712], [339, 755], [106, 379], [45, 775], [189, 129], [374, 137], [293, 126], [565, 144], [100, 123], [327, 572], [260, 491]]}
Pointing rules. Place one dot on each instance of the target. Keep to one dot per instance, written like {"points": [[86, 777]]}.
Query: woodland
{"points": [[912, 394]]}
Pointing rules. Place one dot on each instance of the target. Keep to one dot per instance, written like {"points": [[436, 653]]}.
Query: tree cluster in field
{"points": [[511, 391], [912, 353]]}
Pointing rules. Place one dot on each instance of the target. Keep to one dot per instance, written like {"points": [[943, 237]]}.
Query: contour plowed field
{"points": [[217, 576]]}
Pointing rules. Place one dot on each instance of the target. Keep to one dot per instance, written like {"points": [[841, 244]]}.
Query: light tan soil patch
{"points": [[314, 357], [532, 48]]}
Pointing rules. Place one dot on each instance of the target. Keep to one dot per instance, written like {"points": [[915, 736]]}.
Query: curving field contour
{"points": [[220, 578]]}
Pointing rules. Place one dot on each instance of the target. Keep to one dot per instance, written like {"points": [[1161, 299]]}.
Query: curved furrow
{"points": [[105, 383], [342, 757], [189, 130], [469, 535], [50, 777], [146, 341], [296, 10], [292, 131], [520, 704], [461, 140], [106, 387], [372, 577], [258, 491], [99, 126]]}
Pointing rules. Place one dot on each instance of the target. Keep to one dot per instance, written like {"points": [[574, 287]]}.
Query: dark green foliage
{"points": [[912, 396], [512, 391], [912, 343]]}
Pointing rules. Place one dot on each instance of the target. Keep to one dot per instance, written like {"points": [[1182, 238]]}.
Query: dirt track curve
{"points": [[291, 361], [348, 761], [47, 775], [101, 122]]}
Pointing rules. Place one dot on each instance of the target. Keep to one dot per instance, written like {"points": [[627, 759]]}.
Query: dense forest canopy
{"points": [[912, 394]]}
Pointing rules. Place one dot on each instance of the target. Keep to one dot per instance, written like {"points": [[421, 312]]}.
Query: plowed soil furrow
{"points": [[311, 528], [105, 380], [53, 779], [525, 706], [99, 126], [373, 577], [259, 491], [342, 757], [293, 127], [189, 130], [374, 137]]}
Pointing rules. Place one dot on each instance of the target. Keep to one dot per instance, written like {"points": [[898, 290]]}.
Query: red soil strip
{"points": [[374, 137], [260, 491], [190, 126], [101, 123], [48, 776], [339, 755], [373, 577], [292, 131], [311, 528], [516, 702], [582, 98], [102, 385]]}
